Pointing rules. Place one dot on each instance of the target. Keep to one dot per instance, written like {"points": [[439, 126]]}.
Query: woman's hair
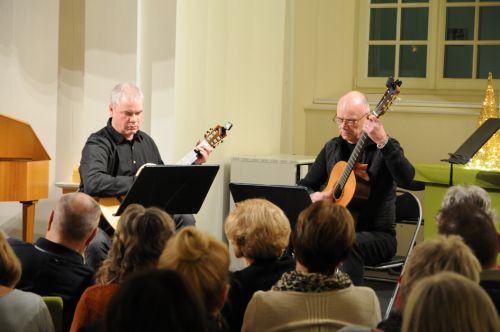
{"points": [[448, 301], [469, 194], [323, 236], [10, 267], [137, 244], [155, 300], [202, 260], [257, 228], [475, 226], [443, 253]]}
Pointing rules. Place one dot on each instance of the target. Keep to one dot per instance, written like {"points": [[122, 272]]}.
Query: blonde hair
{"points": [[257, 229], [443, 253], [448, 301], [137, 244], [202, 260], [10, 266]]}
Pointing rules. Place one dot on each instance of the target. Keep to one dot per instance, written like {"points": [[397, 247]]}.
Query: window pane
{"points": [[488, 61], [489, 0], [381, 60], [460, 23], [412, 60], [460, 0], [489, 23], [384, 1], [458, 61], [414, 23], [407, 1], [383, 24]]}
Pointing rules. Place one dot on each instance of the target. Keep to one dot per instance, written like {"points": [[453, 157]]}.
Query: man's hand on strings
{"points": [[321, 195], [204, 149], [375, 130]]}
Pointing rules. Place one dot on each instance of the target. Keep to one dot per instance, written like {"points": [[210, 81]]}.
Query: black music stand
{"points": [[174, 188], [291, 199], [469, 148]]}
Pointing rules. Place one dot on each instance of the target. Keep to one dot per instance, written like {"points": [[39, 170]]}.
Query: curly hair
{"points": [[137, 243], [257, 229]]}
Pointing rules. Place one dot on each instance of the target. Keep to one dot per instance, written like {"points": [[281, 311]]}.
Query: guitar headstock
{"points": [[393, 89], [214, 136]]}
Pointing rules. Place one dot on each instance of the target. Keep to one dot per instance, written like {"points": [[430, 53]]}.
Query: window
{"points": [[429, 44]]}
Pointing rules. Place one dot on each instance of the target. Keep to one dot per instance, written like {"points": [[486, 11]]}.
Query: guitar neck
{"points": [[189, 158], [353, 159]]}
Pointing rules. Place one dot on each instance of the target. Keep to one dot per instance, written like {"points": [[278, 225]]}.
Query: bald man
{"points": [[387, 168], [54, 265]]}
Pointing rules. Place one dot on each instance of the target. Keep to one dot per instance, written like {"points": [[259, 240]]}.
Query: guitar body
{"points": [[356, 188], [109, 205]]}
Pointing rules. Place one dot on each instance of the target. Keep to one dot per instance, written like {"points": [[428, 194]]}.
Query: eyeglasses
{"points": [[349, 122]]}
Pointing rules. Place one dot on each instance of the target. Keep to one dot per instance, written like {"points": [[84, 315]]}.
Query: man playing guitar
{"points": [[380, 162]]}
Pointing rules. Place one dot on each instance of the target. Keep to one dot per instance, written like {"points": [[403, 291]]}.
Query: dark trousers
{"points": [[98, 249], [370, 248]]}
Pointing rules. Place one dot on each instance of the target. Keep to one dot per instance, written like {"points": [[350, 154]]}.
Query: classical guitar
{"points": [[349, 179], [213, 136]]}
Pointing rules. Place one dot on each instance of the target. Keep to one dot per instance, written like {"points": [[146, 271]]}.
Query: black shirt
{"points": [[109, 161], [51, 269], [387, 168]]}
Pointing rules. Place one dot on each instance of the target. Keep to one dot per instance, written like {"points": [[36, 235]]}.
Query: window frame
{"points": [[436, 43]]}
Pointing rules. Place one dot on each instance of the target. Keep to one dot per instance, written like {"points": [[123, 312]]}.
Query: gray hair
{"points": [[76, 215], [469, 194], [125, 89]]}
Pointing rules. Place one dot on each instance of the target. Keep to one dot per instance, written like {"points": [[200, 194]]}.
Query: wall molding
{"points": [[407, 105]]}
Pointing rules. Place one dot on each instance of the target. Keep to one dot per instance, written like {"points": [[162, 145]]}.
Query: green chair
{"points": [[55, 306]]}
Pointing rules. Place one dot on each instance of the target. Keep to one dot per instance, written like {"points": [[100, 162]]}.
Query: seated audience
{"points": [[259, 232], [317, 294], [203, 262], [137, 244], [19, 311], [443, 253], [449, 302], [466, 211], [469, 194], [54, 265], [156, 300]]}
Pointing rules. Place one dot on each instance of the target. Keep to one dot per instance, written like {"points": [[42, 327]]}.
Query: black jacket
{"points": [[387, 168]]}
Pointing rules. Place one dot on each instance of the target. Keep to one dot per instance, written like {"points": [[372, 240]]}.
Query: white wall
{"points": [[229, 67], [28, 81]]}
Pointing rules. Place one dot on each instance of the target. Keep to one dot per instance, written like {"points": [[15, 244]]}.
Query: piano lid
{"points": [[19, 141]]}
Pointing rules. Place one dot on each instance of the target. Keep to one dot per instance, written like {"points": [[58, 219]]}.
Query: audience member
{"points": [[137, 244], [202, 261], [19, 310], [469, 194], [443, 253], [156, 300], [322, 239], [259, 232], [477, 229], [449, 302], [54, 265]]}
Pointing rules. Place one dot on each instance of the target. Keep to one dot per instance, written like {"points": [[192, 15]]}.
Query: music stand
{"points": [[470, 147], [291, 199], [174, 188]]}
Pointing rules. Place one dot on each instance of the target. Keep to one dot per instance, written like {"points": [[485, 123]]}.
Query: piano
{"points": [[24, 169]]}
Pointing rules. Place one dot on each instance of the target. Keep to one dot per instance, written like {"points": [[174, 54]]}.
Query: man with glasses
{"points": [[387, 167]]}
